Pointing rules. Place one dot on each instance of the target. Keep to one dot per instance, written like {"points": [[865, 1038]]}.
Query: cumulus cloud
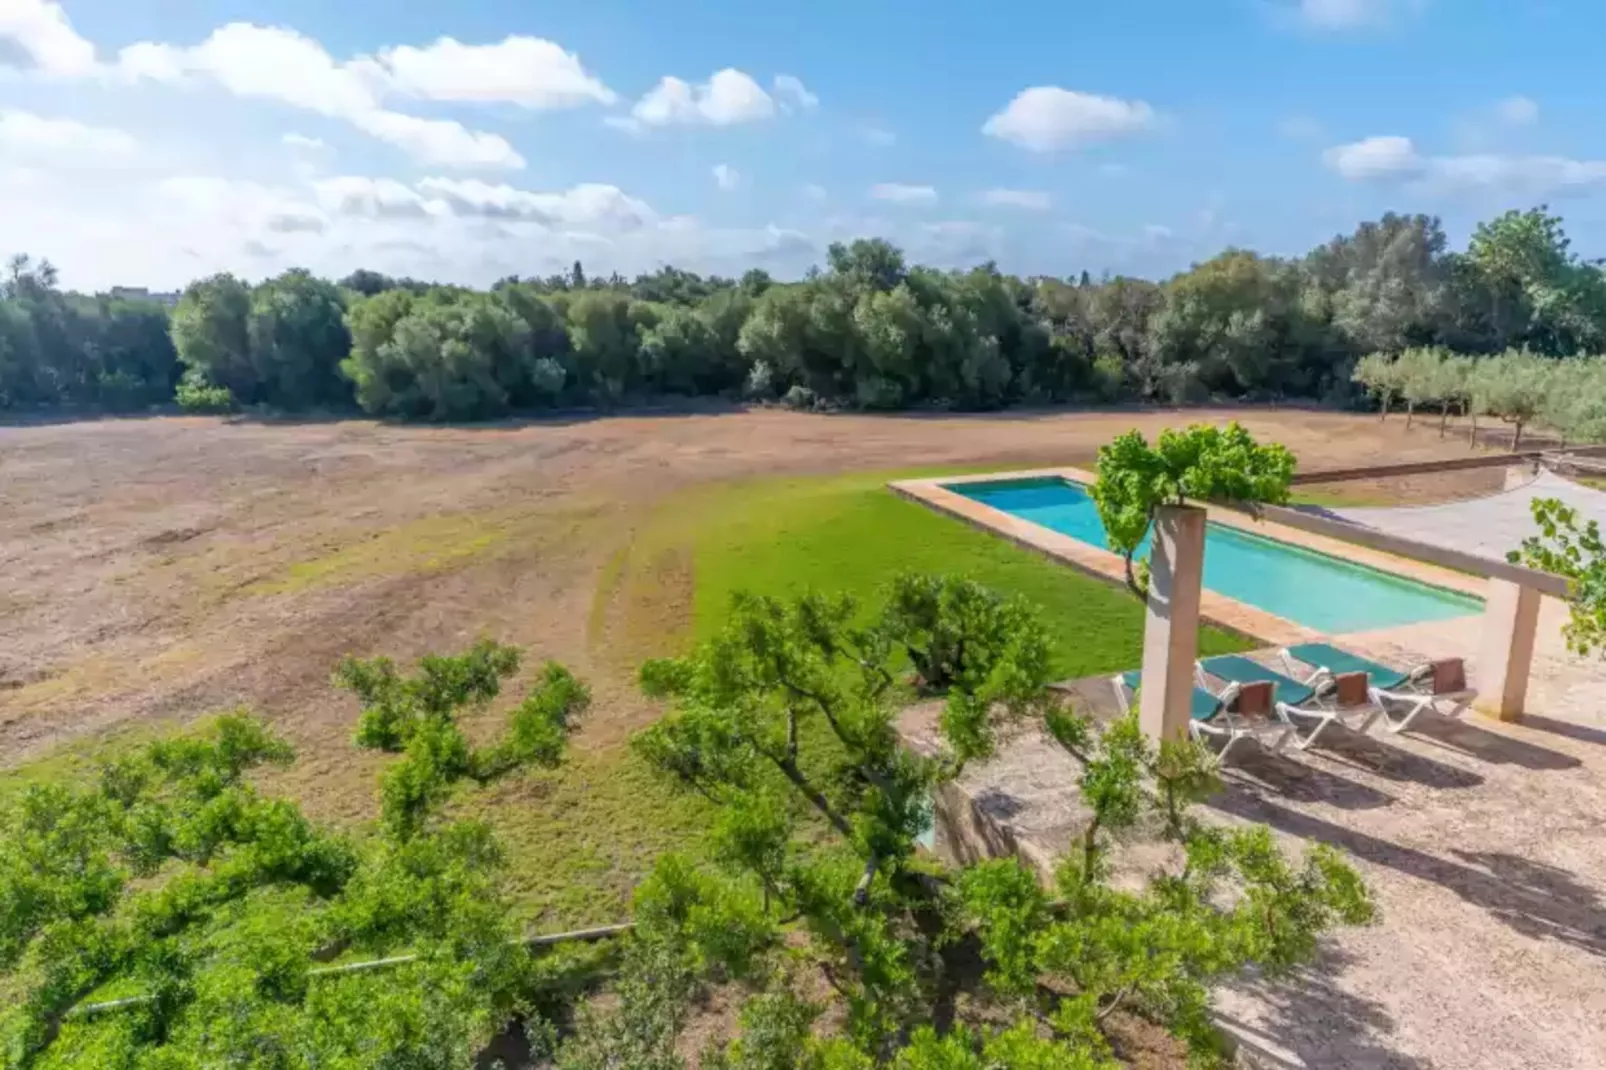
{"points": [[1343, 14], [41, 35], [1518, 111], [373, 198], [1034, 200], [275, 63], [877, 136], [899, 193], [727, 98], [792, 93], [726, 177], [1375, 157], [1397, 158], [1045, 118], [24, 135], [302, 141], [279, 64], [589, 204], [529, 71]]}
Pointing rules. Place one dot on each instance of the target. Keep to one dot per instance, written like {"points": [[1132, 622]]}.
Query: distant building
{"points": [[140, 293]]}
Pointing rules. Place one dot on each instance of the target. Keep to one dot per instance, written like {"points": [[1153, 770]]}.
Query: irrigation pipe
{"points": [[601, 932]]}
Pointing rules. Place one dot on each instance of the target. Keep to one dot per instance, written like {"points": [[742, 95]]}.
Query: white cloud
{"points": [[726, 177], [586, 205], [24, 135], [727, 98], [898, 193], [528, 71], [790, 90], [439, 141], [1157, 232], [1393, 158], [41, 32], [1045, 118], [1035, 200], [275, 63], [1343, 14], [878, 136], [302, 141], [814, 191], [1375, 157], [373, 198], [1518, 111]]}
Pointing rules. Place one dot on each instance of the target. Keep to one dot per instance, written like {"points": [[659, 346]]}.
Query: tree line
{"points": [[868, 330]]}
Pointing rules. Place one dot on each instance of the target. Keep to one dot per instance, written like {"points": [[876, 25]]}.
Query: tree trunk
{"points": [[1385, 414], [1472, 436], [1410, 413], [1516, 437], [1444, 419]]}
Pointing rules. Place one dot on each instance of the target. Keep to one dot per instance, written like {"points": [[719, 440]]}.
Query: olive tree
{"points": [[1203, 463], [785, 723], [1512, 387]]}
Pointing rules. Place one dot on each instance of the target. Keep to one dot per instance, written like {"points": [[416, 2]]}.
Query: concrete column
{"points": [[1171, 630], [1510, 623]]}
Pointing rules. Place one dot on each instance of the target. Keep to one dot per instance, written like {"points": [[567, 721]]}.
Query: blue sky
{"points": [[154, 142]]}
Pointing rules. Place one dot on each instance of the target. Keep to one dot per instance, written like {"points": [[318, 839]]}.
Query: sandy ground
{"points": [[158, 569], [1482, 843]]}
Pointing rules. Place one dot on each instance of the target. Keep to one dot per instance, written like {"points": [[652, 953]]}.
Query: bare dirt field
{"points": [[155, 570]]}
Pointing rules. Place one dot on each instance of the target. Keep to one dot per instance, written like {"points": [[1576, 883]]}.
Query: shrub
{"points": [[198, 396]]}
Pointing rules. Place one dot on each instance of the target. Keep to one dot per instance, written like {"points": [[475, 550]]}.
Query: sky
{"points": [[149, 143]]}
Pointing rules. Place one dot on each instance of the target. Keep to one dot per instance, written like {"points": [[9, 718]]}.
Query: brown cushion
{"points": [[1254, 700], [1449, 676], [1349, 689]]}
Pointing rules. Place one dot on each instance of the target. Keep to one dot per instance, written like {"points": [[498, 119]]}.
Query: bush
{"points": [[799, 397], [198, 396]]}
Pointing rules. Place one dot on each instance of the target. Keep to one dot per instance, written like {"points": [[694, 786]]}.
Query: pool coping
{"points": [[1216, 608]]}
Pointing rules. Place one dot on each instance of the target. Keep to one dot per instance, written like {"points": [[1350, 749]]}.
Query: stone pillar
{"points": [[1510, 623], [1171, 629]]}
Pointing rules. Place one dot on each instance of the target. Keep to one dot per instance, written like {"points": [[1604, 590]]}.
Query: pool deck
{"points": [[1484, 844], [1216, 608]]}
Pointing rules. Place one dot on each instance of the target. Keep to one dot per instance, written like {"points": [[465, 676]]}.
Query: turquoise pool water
{"points": [[1296, 584]]}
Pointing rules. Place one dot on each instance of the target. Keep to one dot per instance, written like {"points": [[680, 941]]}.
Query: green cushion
{"points": [[1337, 662], [1202, 706], [1240, 670]]}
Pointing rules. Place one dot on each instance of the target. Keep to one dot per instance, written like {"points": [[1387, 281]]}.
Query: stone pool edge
{"points": [[1217, 609]]}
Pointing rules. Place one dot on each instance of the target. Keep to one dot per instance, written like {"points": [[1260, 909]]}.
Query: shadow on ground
{"points": [[1539, 901], [1311, 1021]]}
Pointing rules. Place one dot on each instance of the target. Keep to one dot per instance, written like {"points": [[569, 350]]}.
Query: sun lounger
{"points": [[1402, 694], [1238, 712], [1325, 699]]}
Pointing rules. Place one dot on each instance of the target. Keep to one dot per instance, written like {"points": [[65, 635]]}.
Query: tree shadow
{"points": [[1567, 729], [1369, 754], [1311, 1021], [1536, 900], [1484, 745], [1258, 769]]}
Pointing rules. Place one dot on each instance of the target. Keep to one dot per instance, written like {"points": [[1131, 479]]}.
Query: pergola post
{"points": [[1510, 625], [1171, 627]]}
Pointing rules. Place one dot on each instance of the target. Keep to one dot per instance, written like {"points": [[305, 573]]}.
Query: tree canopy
{"points": [[868, 330]]}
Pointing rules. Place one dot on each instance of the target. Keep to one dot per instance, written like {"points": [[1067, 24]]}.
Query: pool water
{"points": [[1304, 586]]}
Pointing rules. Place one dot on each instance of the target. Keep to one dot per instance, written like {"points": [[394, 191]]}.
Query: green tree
{"points": [[1569, 546], [1202, 463], [212, 334], [204, 909], [1513, 387]]}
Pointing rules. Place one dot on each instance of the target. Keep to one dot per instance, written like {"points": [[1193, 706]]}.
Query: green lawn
{"points": [[579, 838], [849, 533]]}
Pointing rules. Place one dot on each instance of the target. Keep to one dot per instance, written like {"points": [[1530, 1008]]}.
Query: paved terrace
{"points": [[1484, 843]]}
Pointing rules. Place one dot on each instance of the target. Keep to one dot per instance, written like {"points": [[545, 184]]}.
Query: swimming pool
{"points": [[1304, 586]]}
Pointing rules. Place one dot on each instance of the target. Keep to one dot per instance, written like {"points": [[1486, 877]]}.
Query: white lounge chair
{"points": [[1317, 703], [1236, 713], [1402, 695]]}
